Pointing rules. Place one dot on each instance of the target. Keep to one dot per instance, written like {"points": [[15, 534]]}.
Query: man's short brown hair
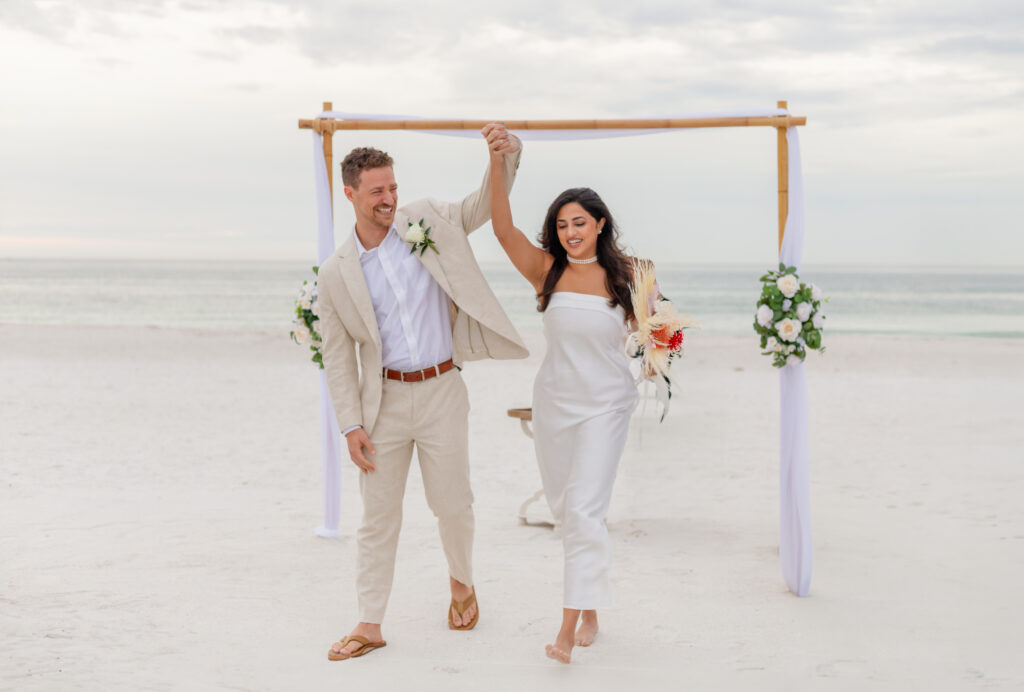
{"points": [[362, 159]]}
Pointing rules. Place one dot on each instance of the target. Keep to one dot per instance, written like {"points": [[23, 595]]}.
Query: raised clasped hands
{"points": [[499, 140]]}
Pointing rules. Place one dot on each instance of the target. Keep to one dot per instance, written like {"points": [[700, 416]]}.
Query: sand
{"points": [[161, 488]]}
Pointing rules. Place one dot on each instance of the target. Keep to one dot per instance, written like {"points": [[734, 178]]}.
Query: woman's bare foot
{"points": [[552, 651], [588, 628], [561, 650], [366, 629]]}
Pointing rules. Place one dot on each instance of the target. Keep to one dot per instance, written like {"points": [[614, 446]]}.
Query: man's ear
{"points": [[348, 193]]}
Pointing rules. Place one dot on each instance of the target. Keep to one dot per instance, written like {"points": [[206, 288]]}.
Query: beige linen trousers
{"points": [[432, 414]]}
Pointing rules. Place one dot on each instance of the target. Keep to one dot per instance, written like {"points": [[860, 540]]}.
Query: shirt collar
{"points": [[359, 246]]}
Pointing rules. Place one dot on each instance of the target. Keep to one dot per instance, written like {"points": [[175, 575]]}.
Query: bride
{"points": [[584, 394]]}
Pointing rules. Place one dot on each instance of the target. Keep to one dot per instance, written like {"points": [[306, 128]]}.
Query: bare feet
{"points": [[366, 629], [460, 592], [588, 628], [561, 650]]}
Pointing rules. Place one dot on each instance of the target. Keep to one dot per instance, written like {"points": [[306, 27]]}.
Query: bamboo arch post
{"points": [[329, 151], [783, 156], [328, 126]]}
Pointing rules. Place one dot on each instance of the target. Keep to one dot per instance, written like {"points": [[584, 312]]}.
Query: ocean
{"points": [[978, 302]]}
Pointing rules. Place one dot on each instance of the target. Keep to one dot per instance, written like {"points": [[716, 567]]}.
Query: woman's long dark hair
{"points": [[617, 266]]}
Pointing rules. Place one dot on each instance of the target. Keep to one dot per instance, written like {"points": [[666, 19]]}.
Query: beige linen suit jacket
{"points": [[480, 328]]}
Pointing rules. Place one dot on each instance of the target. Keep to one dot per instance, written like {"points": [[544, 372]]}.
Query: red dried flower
{"points": [[676, 341]]}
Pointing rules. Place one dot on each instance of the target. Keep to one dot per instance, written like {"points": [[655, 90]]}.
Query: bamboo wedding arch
{"points": [[328, 126], [795, 538]]}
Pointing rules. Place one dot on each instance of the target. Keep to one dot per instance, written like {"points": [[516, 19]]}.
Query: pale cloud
{"points": [[175, 119]]}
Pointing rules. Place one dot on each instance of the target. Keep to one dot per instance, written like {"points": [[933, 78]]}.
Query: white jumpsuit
{"points": [[583, 398]]}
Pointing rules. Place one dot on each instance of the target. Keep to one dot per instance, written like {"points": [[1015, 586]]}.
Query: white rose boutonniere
{"points": [[419, 238]]}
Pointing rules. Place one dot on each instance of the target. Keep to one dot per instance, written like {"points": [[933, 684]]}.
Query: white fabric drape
{"points": [[794, 455], [794, 492], [330, 436]]}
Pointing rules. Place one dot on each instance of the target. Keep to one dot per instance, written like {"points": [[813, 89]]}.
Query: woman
{"points": [[584, 393]]}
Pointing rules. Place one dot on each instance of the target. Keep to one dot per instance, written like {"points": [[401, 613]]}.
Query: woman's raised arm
{"points": [[532, 262]]}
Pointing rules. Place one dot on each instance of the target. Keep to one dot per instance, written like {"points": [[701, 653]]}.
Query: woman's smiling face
{"points": [[578, 230]]}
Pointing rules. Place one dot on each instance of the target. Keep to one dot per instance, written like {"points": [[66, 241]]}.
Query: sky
{"points": [[168, 130]]}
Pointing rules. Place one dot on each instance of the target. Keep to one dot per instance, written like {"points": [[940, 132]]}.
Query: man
{"points": [[415, 316]]}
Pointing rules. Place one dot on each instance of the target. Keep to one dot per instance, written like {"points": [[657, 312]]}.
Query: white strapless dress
{"points": [[583, 398]]}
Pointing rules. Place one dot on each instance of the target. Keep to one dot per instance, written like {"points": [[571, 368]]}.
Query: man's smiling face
{"points": [[374, 199]]}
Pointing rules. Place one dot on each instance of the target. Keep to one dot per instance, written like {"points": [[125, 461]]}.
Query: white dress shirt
{"points": [[413, 312]]}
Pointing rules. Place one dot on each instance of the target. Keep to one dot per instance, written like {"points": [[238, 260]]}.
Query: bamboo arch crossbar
{"points": [[328, 126]]}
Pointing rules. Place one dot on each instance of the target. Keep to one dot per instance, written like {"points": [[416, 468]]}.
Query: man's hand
{"points": [[357, 440], [499, 140]]}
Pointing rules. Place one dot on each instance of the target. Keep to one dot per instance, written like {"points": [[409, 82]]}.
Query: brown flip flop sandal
{"points": [[460, 607], [366, 646]]}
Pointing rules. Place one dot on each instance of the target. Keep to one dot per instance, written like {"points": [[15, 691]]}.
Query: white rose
{"points": [[414, 234], [786, 305], [788, 329], [803, 311], [793, 359], [315, 307], [316, 326], [815, 293], [818, 321], [788, 285], [772, 344], [302, 334], [764, 316]]}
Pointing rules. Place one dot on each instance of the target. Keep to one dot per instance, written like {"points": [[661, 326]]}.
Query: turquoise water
{"points": [[258, 295]]}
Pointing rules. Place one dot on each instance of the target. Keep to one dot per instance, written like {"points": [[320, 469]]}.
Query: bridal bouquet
{"points": [[658, 339], [789, 317], [306, 325]]}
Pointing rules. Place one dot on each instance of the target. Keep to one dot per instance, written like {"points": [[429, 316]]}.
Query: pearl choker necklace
{"points": [[586, 261]]}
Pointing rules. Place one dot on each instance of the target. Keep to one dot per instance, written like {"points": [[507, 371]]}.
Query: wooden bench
{"points": [[525, 416]]}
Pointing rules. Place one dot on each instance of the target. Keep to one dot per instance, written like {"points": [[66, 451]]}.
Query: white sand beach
{"points": [[161, 488]]}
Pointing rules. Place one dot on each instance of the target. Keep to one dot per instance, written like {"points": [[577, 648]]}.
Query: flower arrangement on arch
{"points": [[658, 339], [306, 325], [789, 317]]}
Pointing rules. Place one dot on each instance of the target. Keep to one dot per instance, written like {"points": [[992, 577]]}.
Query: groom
{"points": [[397, 326]]}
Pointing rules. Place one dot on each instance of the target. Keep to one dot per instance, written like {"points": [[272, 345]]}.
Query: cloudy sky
{"points": [[168, 129]]}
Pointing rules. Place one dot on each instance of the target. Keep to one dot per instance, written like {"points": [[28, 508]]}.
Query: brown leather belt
{"points": [[419, 375]]}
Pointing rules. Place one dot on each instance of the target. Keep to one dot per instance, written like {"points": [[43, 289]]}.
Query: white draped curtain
{"points": [[794, 492]]}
